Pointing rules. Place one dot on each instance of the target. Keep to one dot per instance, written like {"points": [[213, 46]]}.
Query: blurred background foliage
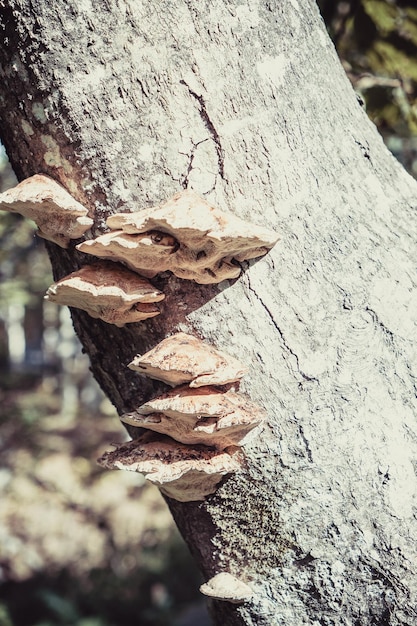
{"points": [[377, 43], [79, 545]]}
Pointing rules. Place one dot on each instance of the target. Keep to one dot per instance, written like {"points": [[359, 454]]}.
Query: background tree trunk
{"points": [[126, 103]]}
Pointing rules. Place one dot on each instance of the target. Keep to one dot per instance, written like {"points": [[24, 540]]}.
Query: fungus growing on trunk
{"points": [[226, 587], [183, 358], [206, 425], [199, 416], [58, 216], [185, 473], [186, 236], [107, 291]]}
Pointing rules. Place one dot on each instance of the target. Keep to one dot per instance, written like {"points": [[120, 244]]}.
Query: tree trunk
{"points": [[126, 103]]}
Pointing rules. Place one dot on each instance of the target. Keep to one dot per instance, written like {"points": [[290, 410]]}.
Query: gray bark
{"points": [[125, 103]]}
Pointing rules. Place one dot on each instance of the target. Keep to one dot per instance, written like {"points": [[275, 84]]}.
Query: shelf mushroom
{"points": [[183, 358], [195, 416], [224, 586], [195, 431], [58, 216], [185, 473], [187, 236], [107, 291]]}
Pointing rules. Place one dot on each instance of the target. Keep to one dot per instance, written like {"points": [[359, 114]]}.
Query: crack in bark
{"points": [[363, 149], [185, 178], [210, 127], [388, 334], [281, 334], [389, 579], [306, 443]]}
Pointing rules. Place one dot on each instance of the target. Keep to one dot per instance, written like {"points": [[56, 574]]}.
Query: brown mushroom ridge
{"points": [[58, 216], [181, 472], [109, 292], [203, 415], [183, 358], [186, 236]]}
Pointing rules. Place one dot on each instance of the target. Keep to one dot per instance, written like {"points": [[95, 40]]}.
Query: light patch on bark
{"points": [[232, 126], [146, 152], [39, 112], [18, 68], [93, 79], [27, 128], [53, 157], [247, 17]]}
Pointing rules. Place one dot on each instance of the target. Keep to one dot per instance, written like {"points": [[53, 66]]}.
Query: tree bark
{"points": [[126, 103]]}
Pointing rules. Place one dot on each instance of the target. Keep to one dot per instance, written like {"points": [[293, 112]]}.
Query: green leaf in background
{"points": [[5, 619], [383, 14]]}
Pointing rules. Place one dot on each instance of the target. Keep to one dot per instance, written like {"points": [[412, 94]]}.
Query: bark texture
{"points": [[126, 103]]}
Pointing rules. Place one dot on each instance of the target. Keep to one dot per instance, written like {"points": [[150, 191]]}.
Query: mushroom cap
{"points": [[226, 587], [57, 214], [202, 415], [185, 473], [139, 252], [186, 236], [183, 358], [109, 292]]}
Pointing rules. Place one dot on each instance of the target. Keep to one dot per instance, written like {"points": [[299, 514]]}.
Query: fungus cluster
{"points": [[185, 235], [195, 431]]}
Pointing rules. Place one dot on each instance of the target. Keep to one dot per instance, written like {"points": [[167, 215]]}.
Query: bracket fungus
{"points": [[199, 416], [185, 473], [194, 432], [187, 236], [58, 216], [183, 358], [107, 291], [226, 587]]}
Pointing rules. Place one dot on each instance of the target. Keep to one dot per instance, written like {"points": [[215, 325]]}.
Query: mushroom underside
{"points": [[199, 416], [185, 473], [109, 292], [187, 236]]}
